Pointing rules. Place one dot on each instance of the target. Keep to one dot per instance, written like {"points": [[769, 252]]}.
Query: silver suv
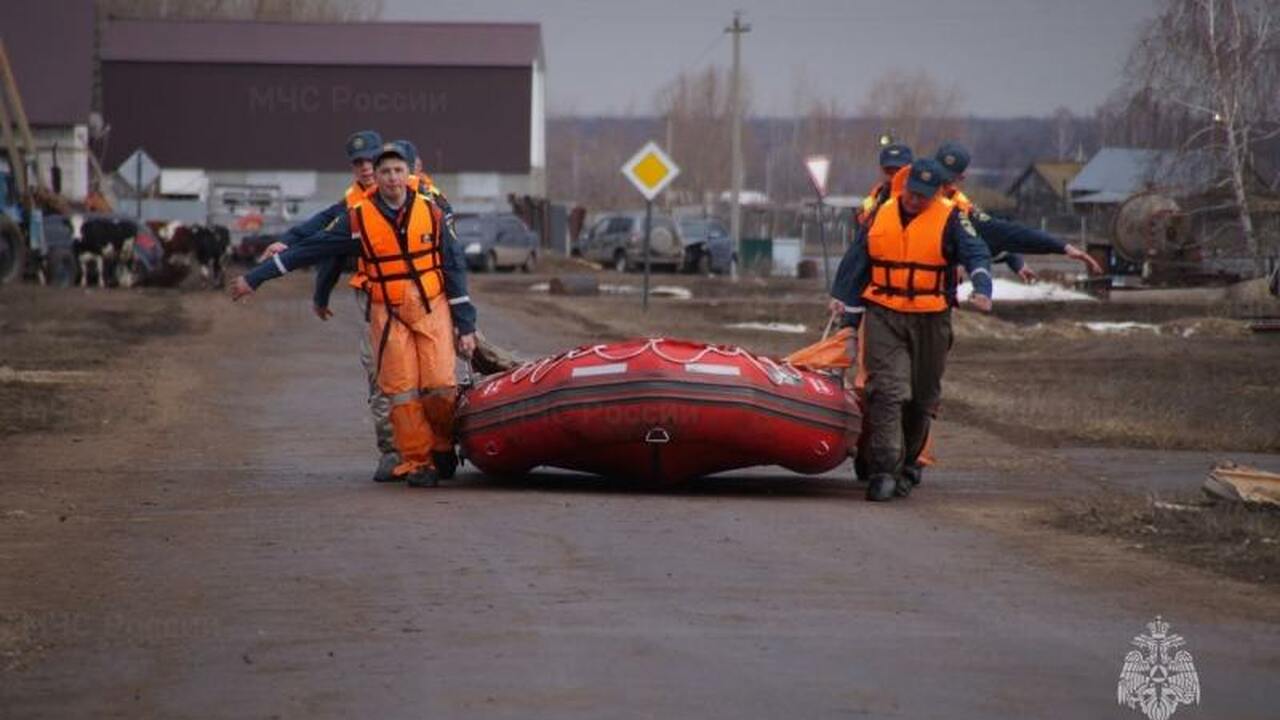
{"points": [[617, 240]]}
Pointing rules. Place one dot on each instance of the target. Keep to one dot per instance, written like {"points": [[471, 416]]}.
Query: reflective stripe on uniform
{"points": [[460, 300], [279, 264], [404, 397]]}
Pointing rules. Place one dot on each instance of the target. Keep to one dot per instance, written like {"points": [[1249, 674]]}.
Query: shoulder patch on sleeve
{"points": [[967, 224], [983, 216]]}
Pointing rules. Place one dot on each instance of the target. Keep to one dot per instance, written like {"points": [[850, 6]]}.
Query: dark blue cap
{"points": [[409, 148], [954, 159], [394, 148], [363, 145], [925, 178], [895, 156]]}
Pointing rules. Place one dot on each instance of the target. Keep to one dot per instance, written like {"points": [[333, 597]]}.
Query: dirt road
{"points": [[216, 550]]}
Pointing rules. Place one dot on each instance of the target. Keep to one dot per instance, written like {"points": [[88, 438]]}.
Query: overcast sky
{"points": [[1007, 57]]}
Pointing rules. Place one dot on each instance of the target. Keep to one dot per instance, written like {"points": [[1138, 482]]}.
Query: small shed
{"points": [[1040, 193]]}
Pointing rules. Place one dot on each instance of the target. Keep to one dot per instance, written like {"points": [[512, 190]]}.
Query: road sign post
{"points": [[648, 229], [819, 166], [651, 170], [138, 171]]}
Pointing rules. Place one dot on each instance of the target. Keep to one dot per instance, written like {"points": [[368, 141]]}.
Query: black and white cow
{"points": [[100, 242], [203, 245]]}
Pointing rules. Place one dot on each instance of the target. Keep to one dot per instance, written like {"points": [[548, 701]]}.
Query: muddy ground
{"points": [[187, 530]]}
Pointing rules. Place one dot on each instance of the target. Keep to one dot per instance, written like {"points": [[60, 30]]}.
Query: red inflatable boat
{"points": [[657, 410]]}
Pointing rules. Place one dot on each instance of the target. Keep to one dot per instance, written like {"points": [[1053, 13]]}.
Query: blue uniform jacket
{"points": [[959, 246], [330, 269], [1003, 236], [333, 244], [314, 224]]}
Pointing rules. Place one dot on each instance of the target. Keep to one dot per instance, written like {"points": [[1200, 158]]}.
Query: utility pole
{"points": [[737, 29]]}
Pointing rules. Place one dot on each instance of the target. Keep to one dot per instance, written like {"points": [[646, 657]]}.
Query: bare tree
{"points": [[916, 108], [694, 109], [1219, 59], [1063, 135]]}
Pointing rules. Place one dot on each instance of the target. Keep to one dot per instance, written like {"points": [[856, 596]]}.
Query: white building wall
{"points": [[72, 144]]}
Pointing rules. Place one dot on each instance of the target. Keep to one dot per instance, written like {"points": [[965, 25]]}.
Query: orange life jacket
{"points": [[396, 259], [899, 182], [354, 194], [414, 183], [908, 268], [874, 199], [958, 198]]}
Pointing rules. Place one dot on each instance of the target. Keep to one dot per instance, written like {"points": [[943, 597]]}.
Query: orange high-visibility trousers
{"points": [[416, 371]]}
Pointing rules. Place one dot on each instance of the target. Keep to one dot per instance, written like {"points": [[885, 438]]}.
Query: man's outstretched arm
{"points": [[334, 242]]}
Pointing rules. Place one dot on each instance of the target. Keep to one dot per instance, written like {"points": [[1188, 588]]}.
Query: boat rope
{"points": [[535, 370]]}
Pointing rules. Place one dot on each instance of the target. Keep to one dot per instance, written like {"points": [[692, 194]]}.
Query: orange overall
{"points": [[409, 324]]}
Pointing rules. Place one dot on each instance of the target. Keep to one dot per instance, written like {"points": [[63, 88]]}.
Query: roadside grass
{"points": [[1201, 392], [1232, 539]]}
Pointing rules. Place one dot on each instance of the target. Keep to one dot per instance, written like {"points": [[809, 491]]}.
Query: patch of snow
{"points": [[612, 289], [1005, 289], [1119, 327], [672, 291], [793, 328]]}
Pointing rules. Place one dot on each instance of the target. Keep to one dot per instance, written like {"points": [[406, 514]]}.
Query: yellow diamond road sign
{"points": [[650, 170]]}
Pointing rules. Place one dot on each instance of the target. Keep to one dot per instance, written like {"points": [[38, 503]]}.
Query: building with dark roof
{"points": [[272, 103], [1040, 194]]}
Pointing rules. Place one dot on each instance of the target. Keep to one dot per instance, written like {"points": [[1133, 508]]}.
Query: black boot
{"points": [[903, 486], [386, 467], [881, 487], [446, 462], [914, 473], [424, 477]]}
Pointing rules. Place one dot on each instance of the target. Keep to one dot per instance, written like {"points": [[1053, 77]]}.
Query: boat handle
{"points": [[657, 435]]}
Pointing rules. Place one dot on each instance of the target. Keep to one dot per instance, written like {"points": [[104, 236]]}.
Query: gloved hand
{"points": [[467, 345], [981, 303]]}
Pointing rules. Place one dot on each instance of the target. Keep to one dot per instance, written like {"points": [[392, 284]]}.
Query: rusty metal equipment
{"points": [[1153, 233]]}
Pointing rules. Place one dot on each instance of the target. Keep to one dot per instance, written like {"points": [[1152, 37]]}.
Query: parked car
{"points": [[495, 241], [617, 239], [707, 246]]}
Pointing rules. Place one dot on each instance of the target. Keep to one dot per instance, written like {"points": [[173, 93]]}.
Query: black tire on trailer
{"points": [[13, 251]]}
